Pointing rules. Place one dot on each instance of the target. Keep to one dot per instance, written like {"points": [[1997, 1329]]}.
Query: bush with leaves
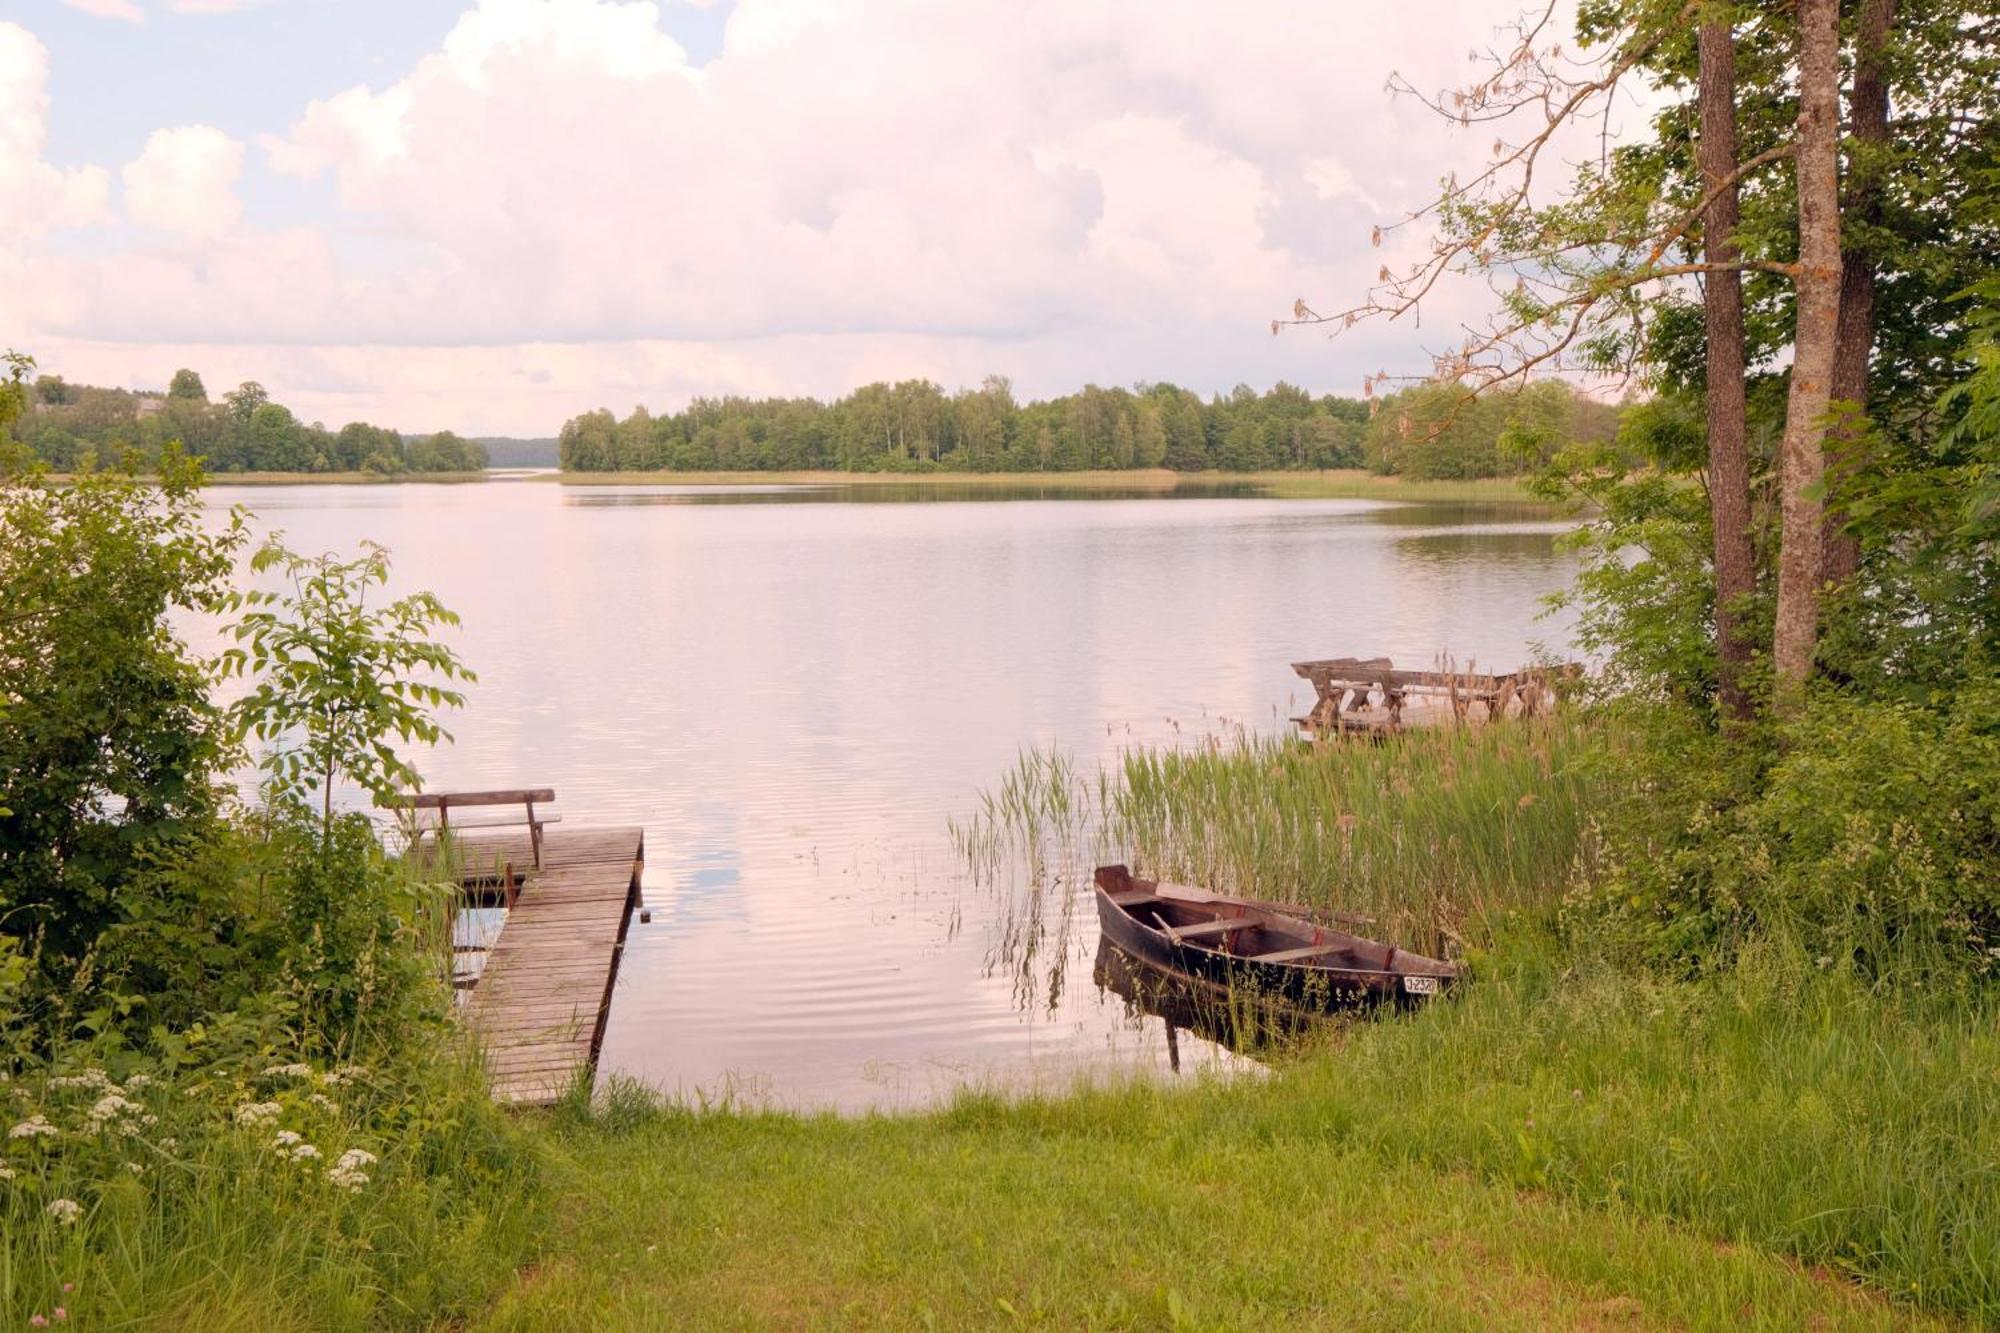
{"points": [[110, 749]]}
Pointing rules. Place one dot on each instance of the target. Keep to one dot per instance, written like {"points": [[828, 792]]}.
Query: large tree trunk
{"points": [[1868, 119], [1722, 304], [1803, 457]]}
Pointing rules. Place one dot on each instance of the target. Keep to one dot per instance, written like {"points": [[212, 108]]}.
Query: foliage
{"points": [[336, 680], [78, 427], [109, 746], [1861, 836], [915, 425], [1434, 432], [1861, 827]]}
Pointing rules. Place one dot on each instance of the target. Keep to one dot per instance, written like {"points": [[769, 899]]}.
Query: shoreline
{"points": [[1342, 483], [1331, 484]]}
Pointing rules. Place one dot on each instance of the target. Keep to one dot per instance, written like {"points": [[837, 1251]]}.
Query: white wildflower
{"points": [[324, 1103], [256, 1113], [350, 1172], [288, 1071], [305, 1152], [109, 1107], [6, 1173], [344, 1075], [138, 1081], [65, 1211], [136, 1168], [34, 1127], [89, 1078], [286, 1138], [170, 1145]]}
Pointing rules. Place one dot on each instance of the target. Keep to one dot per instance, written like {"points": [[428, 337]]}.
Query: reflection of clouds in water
{"points": [[793, 699]]}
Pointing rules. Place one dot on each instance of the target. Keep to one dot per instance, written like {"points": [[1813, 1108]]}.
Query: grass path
{"points": [[1100, 1212]]}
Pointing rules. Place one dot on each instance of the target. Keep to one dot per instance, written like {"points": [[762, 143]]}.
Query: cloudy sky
{"points": [[491, 214]]}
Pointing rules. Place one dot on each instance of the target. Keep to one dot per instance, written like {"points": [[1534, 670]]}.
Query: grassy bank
{"points": [[1290, 1204], [1335, 484]]}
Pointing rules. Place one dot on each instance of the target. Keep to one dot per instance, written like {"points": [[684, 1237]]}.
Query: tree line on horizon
{"points": [[1426, 431], [78, 427]]}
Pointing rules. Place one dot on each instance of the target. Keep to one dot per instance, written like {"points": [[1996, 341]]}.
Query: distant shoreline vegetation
{"points": [[1430, 432], [79, 427]]}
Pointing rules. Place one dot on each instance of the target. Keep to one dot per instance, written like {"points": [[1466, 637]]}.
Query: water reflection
{"points": [[1233, 1024], [893, 493], [794, 698]]}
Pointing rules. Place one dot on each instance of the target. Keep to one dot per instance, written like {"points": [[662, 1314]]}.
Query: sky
{"points": [[489, 215]]}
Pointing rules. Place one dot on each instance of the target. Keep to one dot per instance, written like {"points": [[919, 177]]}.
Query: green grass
{"points": [[1130, 1207]]}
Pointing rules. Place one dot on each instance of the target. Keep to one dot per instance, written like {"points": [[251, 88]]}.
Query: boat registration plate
{"points": [[1421, 985]]}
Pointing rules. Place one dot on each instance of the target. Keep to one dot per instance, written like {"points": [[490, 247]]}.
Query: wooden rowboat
{"points": [[1259, 951]]}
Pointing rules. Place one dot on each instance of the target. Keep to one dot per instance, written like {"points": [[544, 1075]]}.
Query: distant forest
{"points": [[73, 427], [512, 451], [1428, 431]]}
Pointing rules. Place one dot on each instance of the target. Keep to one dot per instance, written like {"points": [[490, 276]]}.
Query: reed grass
{"points": [[1439, 834]]}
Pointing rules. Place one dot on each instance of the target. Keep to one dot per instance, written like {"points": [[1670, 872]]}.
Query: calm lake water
{"points": [[795, 690]]}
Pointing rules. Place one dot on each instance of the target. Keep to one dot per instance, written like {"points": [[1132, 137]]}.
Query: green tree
{"points": [[187, 387], [337, 680], [245, 399]]}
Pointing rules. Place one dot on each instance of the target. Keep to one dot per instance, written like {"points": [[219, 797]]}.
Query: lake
{"points": [[796, 689]]}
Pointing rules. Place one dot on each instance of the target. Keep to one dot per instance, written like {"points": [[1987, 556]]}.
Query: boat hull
{"points": [[1311, 988]]}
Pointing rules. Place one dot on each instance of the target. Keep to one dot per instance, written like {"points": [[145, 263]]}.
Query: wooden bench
{"points": [[444, 802]]}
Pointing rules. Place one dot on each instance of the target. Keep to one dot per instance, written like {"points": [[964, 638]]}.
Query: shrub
{"points": [[1863, 834]]}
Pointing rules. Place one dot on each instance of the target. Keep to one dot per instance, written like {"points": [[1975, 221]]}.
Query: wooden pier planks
{"points": [[541, 1002]]}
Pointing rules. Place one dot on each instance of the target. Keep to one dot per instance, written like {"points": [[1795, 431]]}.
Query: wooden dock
{"points": [[539, 1006]]}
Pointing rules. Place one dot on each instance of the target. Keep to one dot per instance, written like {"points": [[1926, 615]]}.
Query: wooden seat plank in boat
{"points": [[1299, 955], [1219, 926]]}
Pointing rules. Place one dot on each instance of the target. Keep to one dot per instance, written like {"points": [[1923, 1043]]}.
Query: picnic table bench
{"points": [[1368, 695]]}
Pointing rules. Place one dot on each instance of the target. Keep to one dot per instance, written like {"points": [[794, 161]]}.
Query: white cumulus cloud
{"points": [[35, 196], [1060, 190], [184, 182]]}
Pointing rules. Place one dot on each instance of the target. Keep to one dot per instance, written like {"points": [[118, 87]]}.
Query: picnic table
{"points": [[1369, 695]]}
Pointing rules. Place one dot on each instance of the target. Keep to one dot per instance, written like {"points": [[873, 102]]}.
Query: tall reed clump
{"points": [[1437, 834]]}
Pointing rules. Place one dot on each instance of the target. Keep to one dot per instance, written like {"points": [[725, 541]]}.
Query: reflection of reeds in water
{"points": [[1030, 845], [1433, 834]]}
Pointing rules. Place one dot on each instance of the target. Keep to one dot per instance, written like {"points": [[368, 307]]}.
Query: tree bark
{"points": [[1868, 118], [1803, 456], [1722, 306]]}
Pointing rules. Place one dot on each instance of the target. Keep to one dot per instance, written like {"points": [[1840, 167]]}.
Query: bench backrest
{"points": [[437, 800]]}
